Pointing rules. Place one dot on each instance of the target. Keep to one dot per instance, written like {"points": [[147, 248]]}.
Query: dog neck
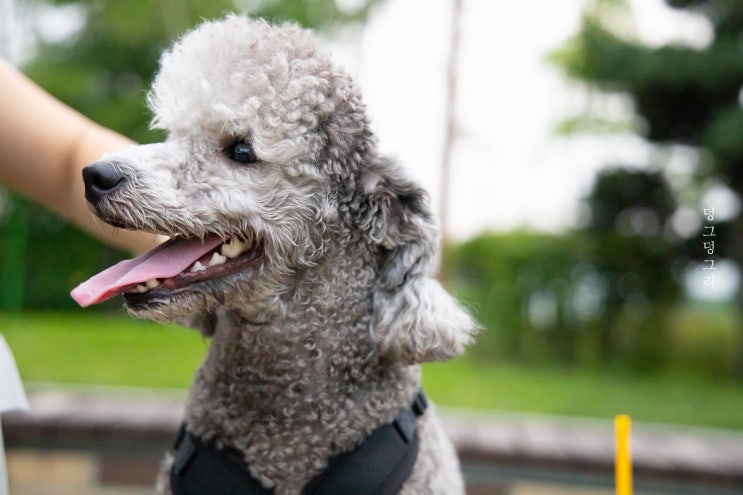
{"points": [[309, 381]]}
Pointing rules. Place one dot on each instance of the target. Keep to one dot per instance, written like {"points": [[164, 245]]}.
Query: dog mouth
{"points": [[169, 269]]}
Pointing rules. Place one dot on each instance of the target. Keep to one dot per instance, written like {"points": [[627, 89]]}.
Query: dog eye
{"points": [[241, 152]]}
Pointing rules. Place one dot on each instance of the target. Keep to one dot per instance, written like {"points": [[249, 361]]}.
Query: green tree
{"points": [[627, 230], [599, 295], [529, 293], [103, 71], [682, 95]]}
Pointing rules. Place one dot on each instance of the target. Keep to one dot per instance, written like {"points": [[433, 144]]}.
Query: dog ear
{"points": [[414, 318]]}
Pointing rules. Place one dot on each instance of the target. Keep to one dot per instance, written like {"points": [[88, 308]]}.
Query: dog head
{"points": [[269, 156]]}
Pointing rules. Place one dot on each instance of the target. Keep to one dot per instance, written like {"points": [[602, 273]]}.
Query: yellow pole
{"points": [[623, 455]]}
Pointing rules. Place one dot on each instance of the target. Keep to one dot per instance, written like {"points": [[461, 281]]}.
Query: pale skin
{"points": [[44, 146]]}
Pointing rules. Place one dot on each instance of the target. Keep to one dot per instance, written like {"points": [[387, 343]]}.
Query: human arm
{"points": [[44, 145]]}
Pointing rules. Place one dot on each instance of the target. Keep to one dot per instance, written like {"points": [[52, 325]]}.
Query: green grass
{"points": [[84, 348], [670, 398], [88, 348]]}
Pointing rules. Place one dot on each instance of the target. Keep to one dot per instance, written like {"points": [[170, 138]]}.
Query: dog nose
{"points": [[100, 179]]}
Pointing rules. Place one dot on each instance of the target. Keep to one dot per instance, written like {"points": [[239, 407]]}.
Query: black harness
{"points": [[378, 466]]}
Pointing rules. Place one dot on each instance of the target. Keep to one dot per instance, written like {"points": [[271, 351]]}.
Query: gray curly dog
{"points": [[301, 251]]}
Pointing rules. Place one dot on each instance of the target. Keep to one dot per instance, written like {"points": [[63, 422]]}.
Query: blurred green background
{"points": [[595, 320]]}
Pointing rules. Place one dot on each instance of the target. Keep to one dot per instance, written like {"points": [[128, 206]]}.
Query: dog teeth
{"points": [[152, 283], [197, 267], [141, 289], [235, 247], [217, 259], [230, 249]]}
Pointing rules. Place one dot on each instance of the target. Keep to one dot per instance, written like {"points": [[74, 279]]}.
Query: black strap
{"points": [[380, 465], [200, 468]]}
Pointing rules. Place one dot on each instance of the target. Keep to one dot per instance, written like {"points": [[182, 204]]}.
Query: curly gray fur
{"points": [[320, 342]]}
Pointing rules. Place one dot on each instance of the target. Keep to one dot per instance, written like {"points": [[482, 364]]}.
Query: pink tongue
{"points": [[166, 260]]}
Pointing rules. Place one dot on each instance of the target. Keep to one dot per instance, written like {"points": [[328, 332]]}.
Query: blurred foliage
{"points": [[523, 286], [103, 70], [547, 299], [601, 295], [679, 91], [630, 213], [681, 95]]}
